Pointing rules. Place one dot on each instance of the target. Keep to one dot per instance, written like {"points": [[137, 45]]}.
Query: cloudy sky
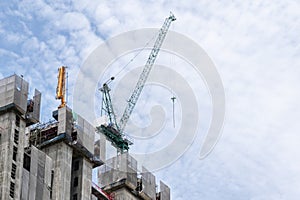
{"points": [[255, 48]]}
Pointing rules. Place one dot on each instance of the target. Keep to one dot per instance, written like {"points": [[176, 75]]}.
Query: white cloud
{"points": [[109, 25], [102, 12], [72, 21]]}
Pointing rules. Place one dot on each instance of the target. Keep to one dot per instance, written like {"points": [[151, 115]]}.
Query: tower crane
{"points": [[114, 131]]}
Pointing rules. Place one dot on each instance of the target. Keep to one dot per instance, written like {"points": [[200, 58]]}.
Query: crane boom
{"points": [[145, 73]]}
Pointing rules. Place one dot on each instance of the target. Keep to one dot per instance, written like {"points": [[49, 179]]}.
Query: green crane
{"points": [[114, 131]]}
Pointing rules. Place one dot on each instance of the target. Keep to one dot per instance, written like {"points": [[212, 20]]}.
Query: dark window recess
{"points": [[74, 136], [16, 137], [13, 171], [17, 121], [26, 163], [15, 152], [30, 105], [139, 185], [158, 196], [74, 196], [75, 182], [76, 165], [12, 190], [52, 177]]}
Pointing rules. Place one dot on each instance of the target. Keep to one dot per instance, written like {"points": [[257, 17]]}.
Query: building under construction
{"points": [[55, 160]]}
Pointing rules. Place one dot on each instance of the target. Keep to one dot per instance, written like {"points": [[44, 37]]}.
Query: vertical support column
{"points": [[13, 109], [12, 150], [86, 189], [65, 121], [102, 147], [148, 180], [4, 156], [81, 179], [36, 179], [164, 191], [61, 154]]}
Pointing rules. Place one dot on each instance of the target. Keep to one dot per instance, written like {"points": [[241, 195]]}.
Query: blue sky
{"points": [[254, 45]]}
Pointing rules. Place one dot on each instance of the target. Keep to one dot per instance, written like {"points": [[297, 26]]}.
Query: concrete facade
{"points": [[117, 168], [120, 178], [15, 115], [37, 175], [55, 160], [164, 193], [69, 142], [61, 155], [11, 155], [81, 178]]}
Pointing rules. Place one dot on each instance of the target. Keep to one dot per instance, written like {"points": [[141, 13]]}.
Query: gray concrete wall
{"points": [[25, 185], [13, 103], [33, 175], [5, 157], [82, 171], [33, 114], [65, 120], [100, 146], [61, 154], [68, 121], [93, 197], [76, 173], [14, 90], [124, 194], [86, 185], [164, 191], [36, 183], [9, 130], [149, 183], [85, 132], [117, 168]]}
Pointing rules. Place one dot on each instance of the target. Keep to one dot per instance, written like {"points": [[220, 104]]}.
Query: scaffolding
{"points": [[43, 132]]}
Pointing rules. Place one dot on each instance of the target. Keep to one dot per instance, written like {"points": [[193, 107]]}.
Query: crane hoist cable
{"points": [[136, 55], [173, 102]]}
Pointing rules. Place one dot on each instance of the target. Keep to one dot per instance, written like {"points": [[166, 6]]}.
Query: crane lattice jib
{"points": [[144, 75]]}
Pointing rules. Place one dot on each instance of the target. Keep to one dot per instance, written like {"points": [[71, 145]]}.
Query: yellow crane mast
{"points": [[61, 86]]}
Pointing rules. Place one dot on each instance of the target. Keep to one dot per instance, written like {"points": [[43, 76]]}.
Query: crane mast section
{"points": [[145, 73], [108, 106], [61, 86]]}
